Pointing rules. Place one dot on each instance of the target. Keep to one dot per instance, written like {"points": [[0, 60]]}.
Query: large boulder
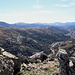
{"points": [[9, 64], [67, 64], [41, 56], [6, 66]]}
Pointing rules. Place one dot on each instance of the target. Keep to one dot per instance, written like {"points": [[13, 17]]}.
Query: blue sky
{"points": [[31, 11]]}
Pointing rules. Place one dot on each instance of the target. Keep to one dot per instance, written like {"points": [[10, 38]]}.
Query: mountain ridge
{"points": [[27, 41], [32, 25]]}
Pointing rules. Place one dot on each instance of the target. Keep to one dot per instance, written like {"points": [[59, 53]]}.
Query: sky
{"points": [[33, 11]]}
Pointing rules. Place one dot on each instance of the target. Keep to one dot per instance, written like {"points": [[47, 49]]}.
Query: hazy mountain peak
{"points": [[20, 23]]}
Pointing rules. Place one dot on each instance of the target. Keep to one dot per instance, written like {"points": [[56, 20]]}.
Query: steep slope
{"points": [[28, 41], [70, 27]]}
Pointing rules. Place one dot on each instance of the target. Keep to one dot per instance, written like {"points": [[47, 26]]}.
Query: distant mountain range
{"points": [[27, 25], [26, 39]]}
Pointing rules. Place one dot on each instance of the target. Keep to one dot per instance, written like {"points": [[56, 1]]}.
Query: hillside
{"points": [[29, 41], [32, 25], [39, 51], [70, 27], [23, 25]]}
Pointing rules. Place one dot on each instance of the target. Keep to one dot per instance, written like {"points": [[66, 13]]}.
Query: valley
{"points": [[31, 40], [37, 50]]}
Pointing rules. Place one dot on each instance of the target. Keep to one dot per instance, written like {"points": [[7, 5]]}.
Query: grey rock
{"points": [[41, 56], [23, 67], [1, 50], [50, 57], [67, 64], [6, 66], [9, 64]]}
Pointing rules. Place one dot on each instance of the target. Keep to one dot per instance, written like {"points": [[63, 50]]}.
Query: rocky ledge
{"points": [[67, 63], [9, 64]]}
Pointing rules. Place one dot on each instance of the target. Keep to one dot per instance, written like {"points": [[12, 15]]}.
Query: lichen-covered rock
{"points": [[64, 62], [6, 66], [9, 64], [67, 64]]}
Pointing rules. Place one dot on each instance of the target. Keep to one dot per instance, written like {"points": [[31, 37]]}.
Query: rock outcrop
{"points": [[6, 66], [9, 64], [67, 64], [39, 57]]}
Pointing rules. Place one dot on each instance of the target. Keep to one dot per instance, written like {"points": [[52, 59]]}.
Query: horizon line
{"points": [[36, 22]]}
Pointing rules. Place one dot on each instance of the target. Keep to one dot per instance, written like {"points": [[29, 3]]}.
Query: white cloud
{"points": [[33, 13], [38, 6], [64, 0], [64, 5], [72, 3]]}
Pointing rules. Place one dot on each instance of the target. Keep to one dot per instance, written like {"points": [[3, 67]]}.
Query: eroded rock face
{"points": [[9, 64], [6, 66], [67, 64]]}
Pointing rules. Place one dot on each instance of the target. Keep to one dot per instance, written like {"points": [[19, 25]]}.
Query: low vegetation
{"points": [[27, 42]]}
